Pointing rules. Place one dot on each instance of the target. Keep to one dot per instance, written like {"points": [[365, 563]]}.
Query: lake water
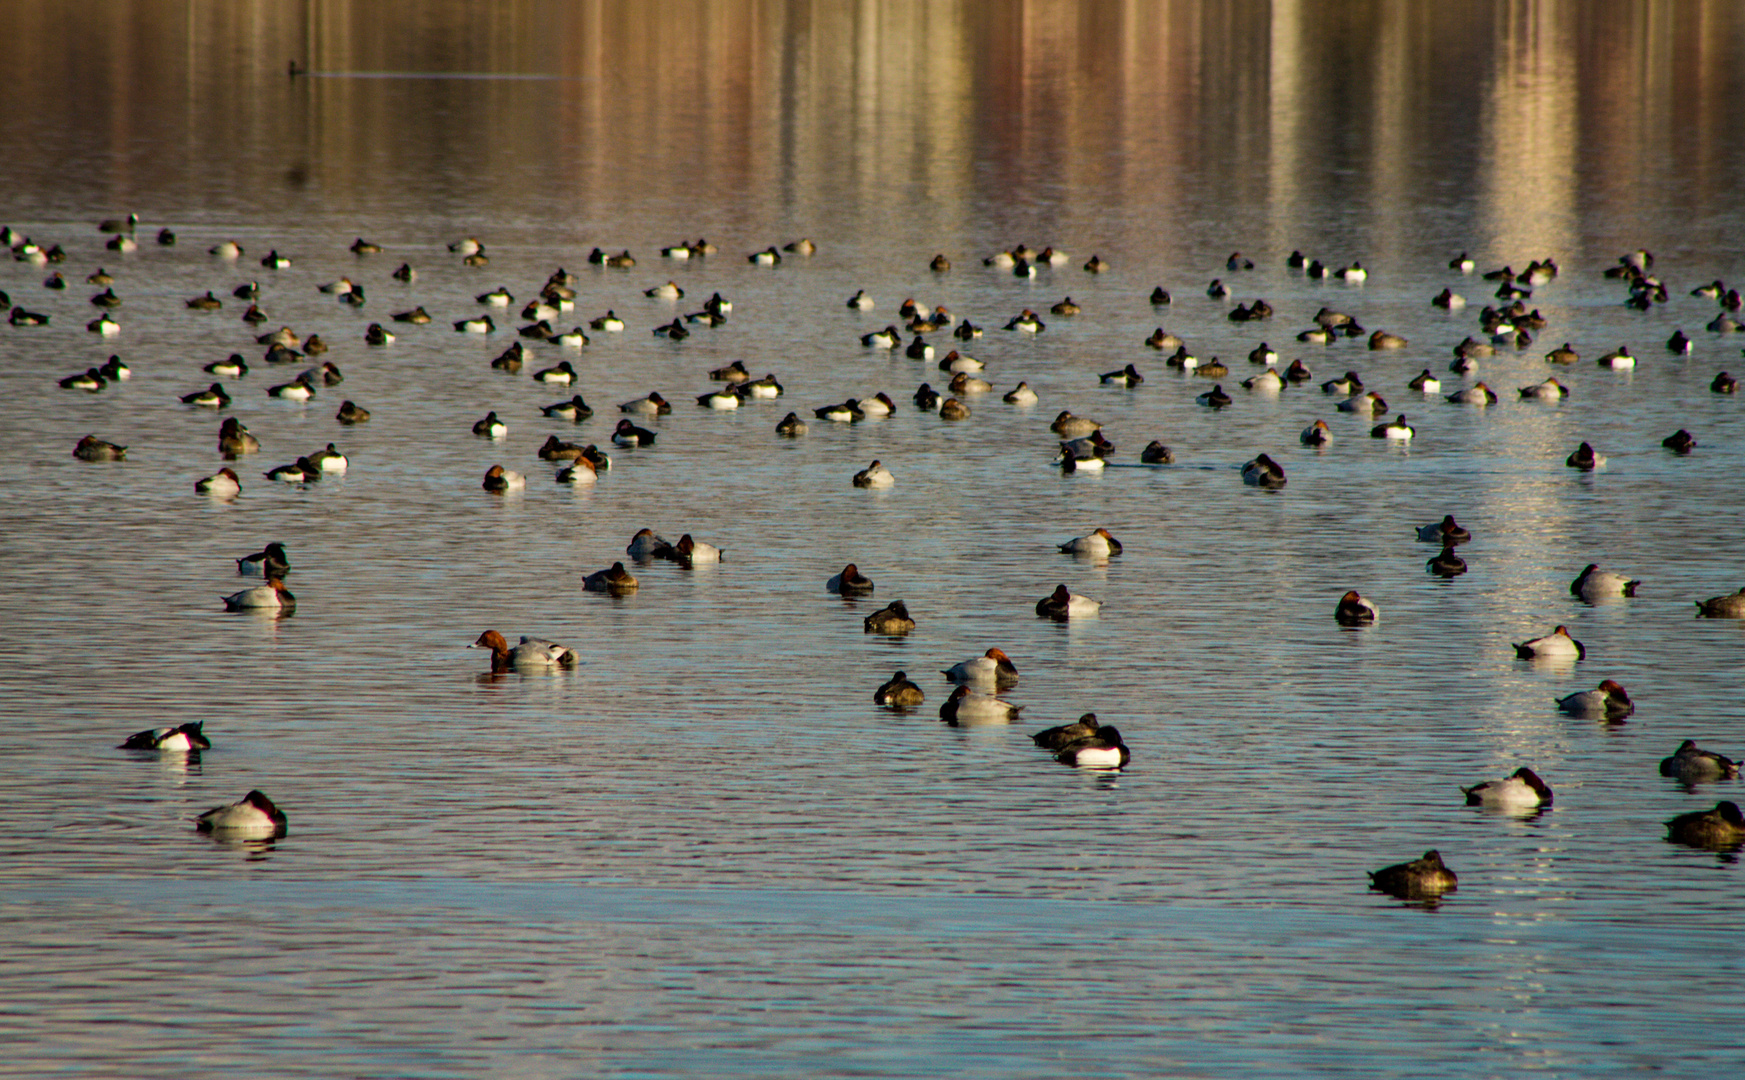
{"points": [[705, 851]]}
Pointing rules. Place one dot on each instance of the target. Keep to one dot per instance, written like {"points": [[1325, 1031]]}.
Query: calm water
{"points": [[705, 851]]}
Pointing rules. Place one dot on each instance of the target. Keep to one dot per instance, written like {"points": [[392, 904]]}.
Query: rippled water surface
{"points": [[705, 851]]}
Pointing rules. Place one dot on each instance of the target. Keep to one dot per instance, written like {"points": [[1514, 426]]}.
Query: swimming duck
{"points": [[669, 291], [301, 471], [417, 316], [1267, 382], [328, 374], [254, 316], [651, 405], [254, 816], [493, 428], [510, 359], [226, 249], [91, 448], [1680, 442], [1096, 543], [271, 596], [767, 257], [1594, 584], [1370, 404], [352, 413], [992, 668], [1722, 828], [1319, 335], [955, 363], [609, 322], [1449, 300], [1163, 341], [1263, 472], [530, 653], [646, 545], [926, 398], [1026, 322], [614, 580], [1693, 765], [1346, 385], [874, 476], [888, 338], [1317, 434], [899, 692], [719, 400], [1353, 273], [846, 412], [1678, 343], [1562, 355], [1217, 290], [1215, 398], [1555, 645], [1425, 383], [298, 389], [1381, 339], [1423, 878], [269, 562], [966, 709], [272, 260], [628, 434], [563, 374], [918, 349], [213, 397], [1619, 359], [1101, 749], [222, 484], [891, 619], [1354, 610], [1155, 453], [1065, 307], [574, 409], [965, 383], [1127, 376], [967, 331], [1071, 463], [481, 325], [233, 365], [1447, 531], [1064, 735], [330, 460], [234, 440], [1606, 702], [466, 245], [1724, 384], [360, 246], [791, 426], [1399, 429], [90, 380], [1093, 445], [953, 409], [1549, 390], [377, 334], [1020, 395], [104, 325], [1211, 369], [1730, 606], [1520, 790], [1446, 563], [170, 739], [850, 582], [580, 471], [499, 479], [687, 552], [343, 285], [1062, 604], [940, 264], [281, 354]]}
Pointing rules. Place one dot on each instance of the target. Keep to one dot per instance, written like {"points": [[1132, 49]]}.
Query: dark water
{"points": [[704, 851]]}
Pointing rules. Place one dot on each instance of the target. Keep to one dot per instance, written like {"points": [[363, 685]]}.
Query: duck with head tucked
{"points": [[1424, 878], [899, 692], [531, 653], [893, 618]]}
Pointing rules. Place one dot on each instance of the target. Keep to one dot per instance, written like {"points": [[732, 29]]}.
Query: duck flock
{"points": [[932, 336]]}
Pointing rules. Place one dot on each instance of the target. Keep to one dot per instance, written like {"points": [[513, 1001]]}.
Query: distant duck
{"points": [[1127, 376], [1595, 584], [1549, 390], [1164, 341], [767, 257], [1217, 290], [1263, 472], [1020, 395], [860, 301], [183, 737], [481, 325], [1160, 296], [90, 380], [226, 249], [91, 448], [223, 484], [628, 434], [234, 440], [1424, 878], [1066, 307], [1520, 790], [417, 316], [273, 596], [1557, 645], [918, 349], [1398, 430], [927, 399], [1353, 273], [1447, 531], [846, 412], [1381, 339], [491, 427], [1619, 359], [1346, 385], [213, 397], [609, 322], [1425, 383], [967, 709], [1563, 354], [255, 816], [955, 362], [1215, 398], [1729, 606], [272, 260], [992, 668], [531, 654], [1446, 563], [953, 409], [360, 246], [1097, 543], [352, 413], [1102, 749], [967, 331], [1059, 738], [791, 426], [104, 325], [1693, 765], [899, 692], [1369, 404], [1680, 442], [1606, 702], [1477, 394], [688, 552], [1678, 343], [1354, 610], [888, 338], [499, 479], [299, 389], [377, 334], [614, 580], [1585, 458], [891, 619], [850, 582], [963, 383], [1722, 828], [510, 359], [1317, 434], [1062, 604], [650, 405], [466, 245], [1096, 264], [1155, 453], [1448, 299], [405, 273], [1724, 384], [1068, 426], [874, 476], [1268, 381], [1026, 322], [301, 471], [669, 291]]}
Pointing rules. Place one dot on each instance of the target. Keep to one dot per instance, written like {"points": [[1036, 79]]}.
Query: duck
{"points": [[360, 246], [940, 264], [417, 316], [1267, 382], [767, 257], [1730, 606], [1155, 453], [1608, 701], [562, 375], [182, 737], [890, 619], [1020, 395], [669, 291], [628, 434], [301, 471], [1381, 339], [491, 427], [926, 398], [770, 387], [1595, 584], [254, 816], [967, 331], [650, 405], [791, 426], [1722, 828], [1212, 369], [327, 374], [282, 354], [1068, 426], [967, 709], [918, 349], [1353, 273], [1370, 404], [730, 373], [687, 552], [965, 383], [1026, 322], [330, 460], [272, 260], [343, 285], [1319, 335], [1102, 749], [992, 668], [1477, 394], [378, 335], [1692, 764], [899, 692], [1562, 355], [1217, 290], [1619, 359], [1724, 384], [269, 562], [91, 448], [1680, 442], [1398, 429], [1678, 343], [1354, 610], [481, 325], [574, 409], [1446, 563], [530, 653], [1424, 878], [1163, 341], [234, 440], [298, 389], [1066, 307], [880, 404], [1062, 604], [1426, 383], [352, 413], [850, 582], [233, 365], [1127, 376], [1549, 390], [222, 484], [954, 362], [580, 471], [953, 409], [499, 479], [1098, 542], [90, 380], [646, 545], [1316, 434], [1215, 398], [719, 400], [1263, 472], [888, 338], [269, 597], [1449, 300], [846, 412], [104, 325], [1520, 790], [1447, 531], [1557, 645], [874, 476], [614, 580], [1346, 385], [609, 322], [466, 245], [1064, 735], [226, 249]]}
